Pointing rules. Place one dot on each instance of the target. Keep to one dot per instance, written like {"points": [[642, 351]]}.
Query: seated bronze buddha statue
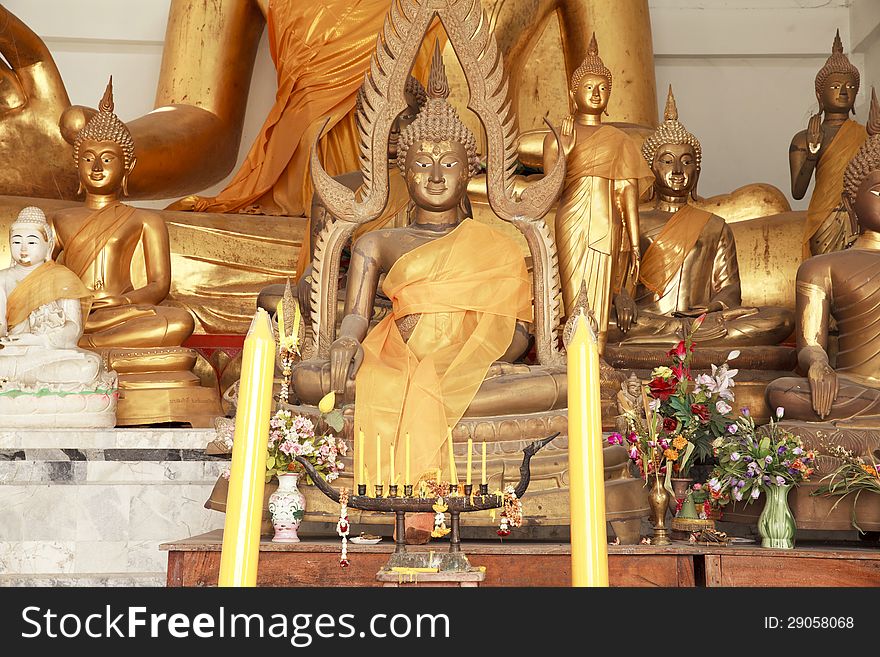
{"points": [[464, 307]]}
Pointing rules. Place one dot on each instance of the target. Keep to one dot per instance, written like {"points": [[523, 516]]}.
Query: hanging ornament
{"points": [[440, 529], [342, 527]]}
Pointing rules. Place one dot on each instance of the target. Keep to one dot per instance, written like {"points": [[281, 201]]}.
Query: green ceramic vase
{"points": [[776, 523]]}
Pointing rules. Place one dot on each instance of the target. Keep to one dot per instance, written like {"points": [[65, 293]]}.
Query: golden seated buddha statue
{"points": [[463, 301], [136, 336]]}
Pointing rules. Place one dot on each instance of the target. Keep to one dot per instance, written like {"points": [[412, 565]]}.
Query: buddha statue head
{"points": [[861, 179], [31, 239], [837, 82], [104, 151], [674, 155], [590, 88], [437, 153]]}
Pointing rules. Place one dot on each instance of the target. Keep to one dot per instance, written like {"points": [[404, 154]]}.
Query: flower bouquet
{"points": [[853, 476], [770, 461], [291, 436]]}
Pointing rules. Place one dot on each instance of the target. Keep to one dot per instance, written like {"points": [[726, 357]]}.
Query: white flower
{"points": [[723, 407], [780, 411], [737, 495], [756, 492], [654, 404], [733, 354], [734, 456]]}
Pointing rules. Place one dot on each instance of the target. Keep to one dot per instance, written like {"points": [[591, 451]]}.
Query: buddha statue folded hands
{"points": [[689, 265], [136, 335], [45, 379], [464, 307]]}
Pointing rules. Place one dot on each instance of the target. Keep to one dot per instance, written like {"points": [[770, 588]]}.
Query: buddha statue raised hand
{"points": [[139, 337], [689, 265], [841, 288], [597, 219], [825, 147]]}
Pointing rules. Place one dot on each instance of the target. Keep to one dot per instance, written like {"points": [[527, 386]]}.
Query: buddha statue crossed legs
{"points": [[139, 337], [689, 265]]}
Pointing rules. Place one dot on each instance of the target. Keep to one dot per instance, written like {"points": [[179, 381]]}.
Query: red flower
{"points": [[661, 389], [680, 351], [681, 373], [670, 424], [701, 411]]}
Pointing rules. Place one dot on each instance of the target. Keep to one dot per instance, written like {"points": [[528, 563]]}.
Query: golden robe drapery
{"points": [[469, 287], [46, 283], [825, 203], [321, 50], [667, 252]]}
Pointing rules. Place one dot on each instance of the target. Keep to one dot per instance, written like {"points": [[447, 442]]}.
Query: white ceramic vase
{"points": [[287, 505]]}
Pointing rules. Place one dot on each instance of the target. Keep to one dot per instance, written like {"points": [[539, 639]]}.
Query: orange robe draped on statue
{"points": [[590, 236], [321, 50], [45, 284], [667, 252], [826, 200], [470, 287]]}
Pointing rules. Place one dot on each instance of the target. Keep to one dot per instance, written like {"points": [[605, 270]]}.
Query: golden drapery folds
{"points": [[589, 224], [46, 283], [829, 179], [469, 287], [321, 51], [663, 259], [83, 248]]}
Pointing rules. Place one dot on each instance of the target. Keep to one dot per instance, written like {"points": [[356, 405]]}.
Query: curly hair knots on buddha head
{"points": [[592, 64], [438, 120], [106, 126], [836, 63], [671, 131]]}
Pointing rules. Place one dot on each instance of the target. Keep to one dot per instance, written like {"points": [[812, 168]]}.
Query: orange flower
{"points": [[671, 454], [871, 470], [679, 442]]}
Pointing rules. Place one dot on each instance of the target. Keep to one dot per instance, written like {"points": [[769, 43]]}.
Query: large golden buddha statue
{"points": [[843, 289], [825, 147], [690, 264], [597, 220], [137, 336]]}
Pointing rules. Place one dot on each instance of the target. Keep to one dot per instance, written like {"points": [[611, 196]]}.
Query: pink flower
{"points": [[615, 439]]}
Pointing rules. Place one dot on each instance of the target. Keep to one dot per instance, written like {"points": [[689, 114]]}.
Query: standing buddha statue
{"points": [[842, 288], [137, 336], [597, 219], [826, 146]]}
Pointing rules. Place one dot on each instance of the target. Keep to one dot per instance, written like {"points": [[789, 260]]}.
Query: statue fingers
{"points": [[356, 361]]}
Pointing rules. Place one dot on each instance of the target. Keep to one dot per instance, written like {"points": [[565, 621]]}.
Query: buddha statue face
{"points": [[838, 94], [867, 203], [436, 174], [102, 167], [592, 94], [675, 169], [28, 244]]}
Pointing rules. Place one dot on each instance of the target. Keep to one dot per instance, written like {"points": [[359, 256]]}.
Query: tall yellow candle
{"points": [[378, 474], [483, 472], [589, 541], [359, 455], [240, 551], [453, 475], [470, 459], [391, 476], [407, 479]]}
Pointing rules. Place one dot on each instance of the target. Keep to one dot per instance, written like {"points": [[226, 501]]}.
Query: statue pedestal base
{"points": [[158, 385], [59, 411]]}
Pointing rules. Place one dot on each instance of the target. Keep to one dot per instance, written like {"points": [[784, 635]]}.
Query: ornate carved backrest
{"points": [[469, 33]]}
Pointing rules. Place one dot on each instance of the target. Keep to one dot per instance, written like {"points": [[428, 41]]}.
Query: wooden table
{"points": [[315, 562]]}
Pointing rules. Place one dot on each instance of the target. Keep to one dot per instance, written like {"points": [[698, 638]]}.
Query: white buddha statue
{"points": [[45, 379]]}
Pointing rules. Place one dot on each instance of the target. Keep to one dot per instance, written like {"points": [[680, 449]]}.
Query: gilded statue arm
{"points": [[725, 274], [813, 311], [346, 352], [630, 207], [518, 344], [803, 155], [157, 258]]}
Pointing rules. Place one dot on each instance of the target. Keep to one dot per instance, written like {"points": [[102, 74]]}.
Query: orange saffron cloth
{"points": [[829, 177], [321, 50], [46, 283], [470, 286], [668, 250]]}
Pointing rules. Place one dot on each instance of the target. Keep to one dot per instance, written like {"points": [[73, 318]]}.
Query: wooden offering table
{"points": [[315, 562]]}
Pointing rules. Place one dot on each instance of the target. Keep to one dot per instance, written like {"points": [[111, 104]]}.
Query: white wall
{"points": [[742, 70]]}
